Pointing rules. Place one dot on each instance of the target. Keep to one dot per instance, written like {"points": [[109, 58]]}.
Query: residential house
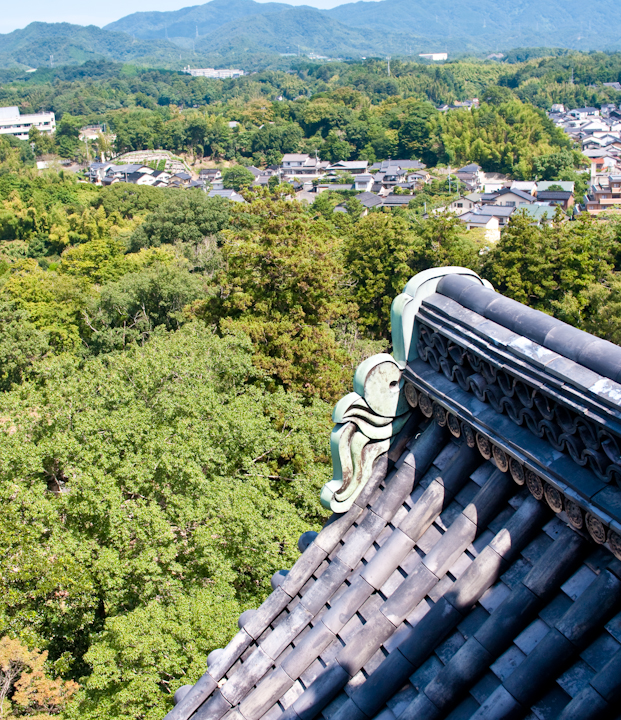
{"points": [[566, 185], [502, 213], [526, 186], [97, 171], [557, 197], [261, 181], [354, 167], [493, 182], [161, 176], [507, 198], [584, 113], [396, 201], [302, 166], [180, 179], [139, 178], [121, 172], [369, 200], [393, 174], [541, 213], [405, 164], [604, 194], [465, 202], [228, 194], [471, 175], [363, 182], [210, 174], [333, 186], [481, 221], [418, 179]]}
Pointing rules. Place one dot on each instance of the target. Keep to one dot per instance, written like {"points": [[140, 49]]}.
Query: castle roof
{"points": [[471, 567]]}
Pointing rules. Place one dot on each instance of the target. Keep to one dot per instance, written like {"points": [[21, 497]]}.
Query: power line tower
{"points": [[51, 61], [388, 61]]}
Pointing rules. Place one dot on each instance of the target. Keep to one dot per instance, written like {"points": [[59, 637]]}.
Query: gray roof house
{"points": [[369, 199], [471, 567], [405, 164], [228, 194], [508, 197]]}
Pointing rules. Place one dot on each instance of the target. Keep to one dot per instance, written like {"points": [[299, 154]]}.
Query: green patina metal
{"points": [[368, 419]]}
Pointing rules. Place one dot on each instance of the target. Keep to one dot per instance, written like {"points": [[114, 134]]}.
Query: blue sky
{"points": [[14, 15]]}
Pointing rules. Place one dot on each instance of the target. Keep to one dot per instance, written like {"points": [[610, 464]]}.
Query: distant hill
{"points": [[187, 21], [494, 24], [484, 26], [308, 30], [252, 34], [275, 28], [75, 44]]}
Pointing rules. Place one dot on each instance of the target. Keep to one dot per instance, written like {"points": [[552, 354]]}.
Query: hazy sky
{"points": [[14, 15]]}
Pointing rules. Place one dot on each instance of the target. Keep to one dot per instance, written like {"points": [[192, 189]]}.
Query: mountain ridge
{"points": [[184, 22], [224, 32], [492, 25]]}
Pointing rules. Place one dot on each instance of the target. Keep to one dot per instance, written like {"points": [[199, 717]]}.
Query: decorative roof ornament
{"points": [[369, 420]]}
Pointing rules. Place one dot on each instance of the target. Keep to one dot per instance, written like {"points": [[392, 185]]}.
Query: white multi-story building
{"points": [[13, 123], [221, 74], [436, 57]]}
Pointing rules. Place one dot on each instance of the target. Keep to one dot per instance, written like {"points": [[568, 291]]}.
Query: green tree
{"points": [[22, 345], [417, 132], [376, 260], [43, 142], [186, 216], [442, 241], [335, 148], [237, 177], [130, 309], [551, 268], [283, 284], [146, 499]]}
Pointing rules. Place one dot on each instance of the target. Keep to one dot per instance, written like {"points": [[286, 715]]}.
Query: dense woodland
{"points": [[168, 364], [340, 110]]}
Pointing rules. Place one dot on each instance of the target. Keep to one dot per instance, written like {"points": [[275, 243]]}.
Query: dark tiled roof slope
{"points": [[462, 582]]}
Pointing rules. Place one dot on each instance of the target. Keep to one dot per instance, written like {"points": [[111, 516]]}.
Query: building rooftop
{"points": [[472, 168], [554, 195], [476, 218], [369, 199], [8, 113], [471, 566]]}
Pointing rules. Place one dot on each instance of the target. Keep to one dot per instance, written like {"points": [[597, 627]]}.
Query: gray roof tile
{"points": [[507, 662], [574, 680]]}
